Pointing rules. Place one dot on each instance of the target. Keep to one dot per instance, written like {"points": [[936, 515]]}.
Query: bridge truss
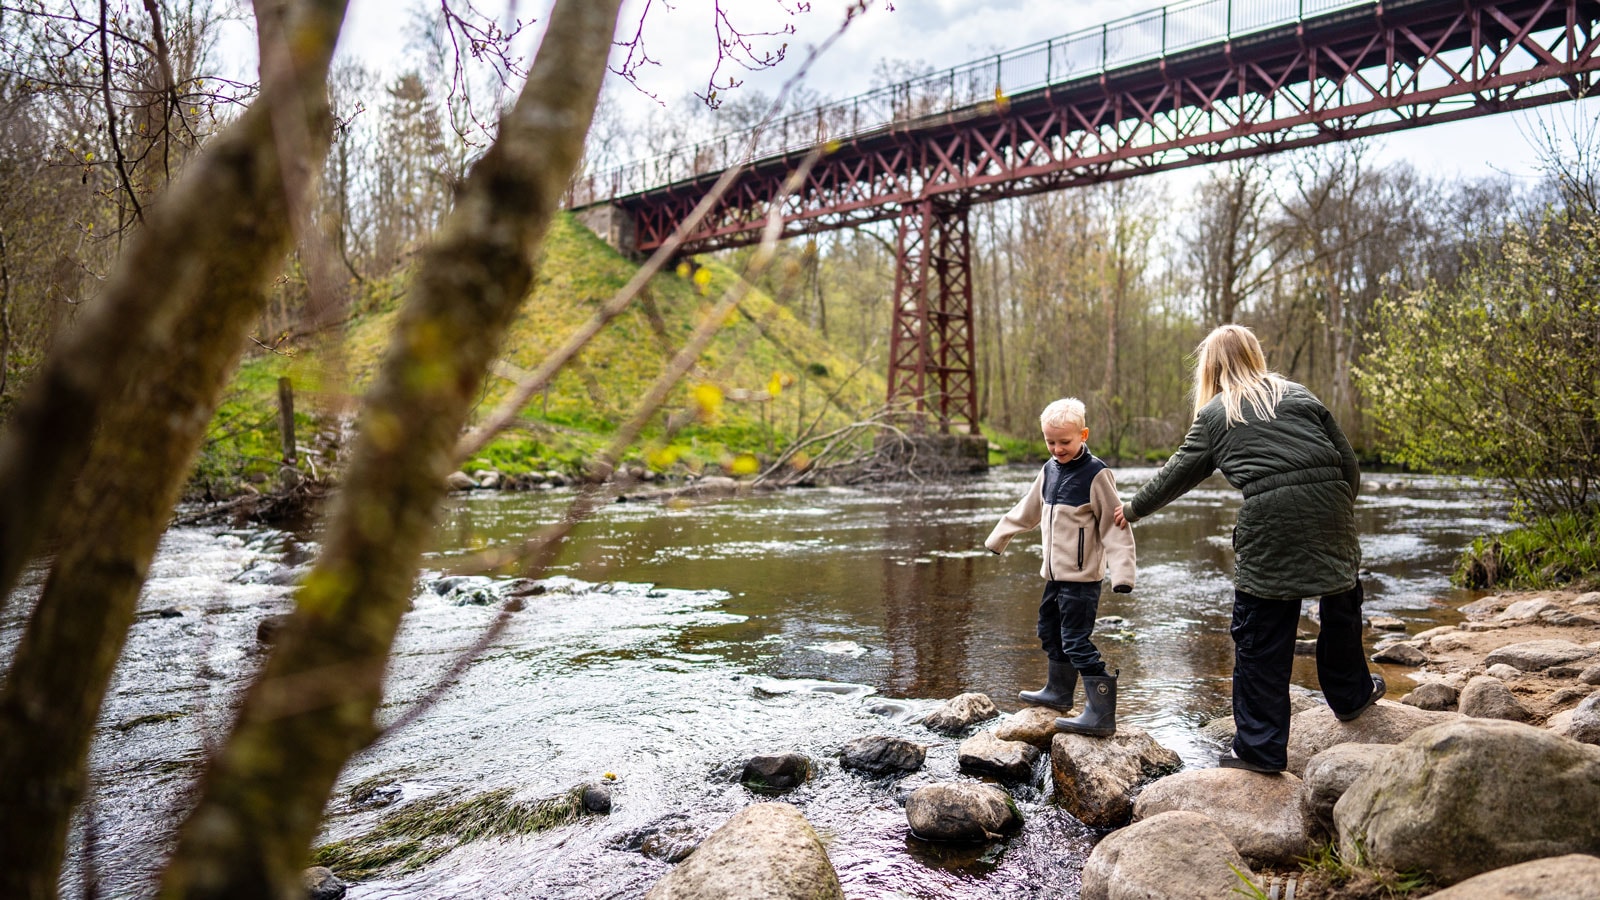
{"points": [[1361, 70]]}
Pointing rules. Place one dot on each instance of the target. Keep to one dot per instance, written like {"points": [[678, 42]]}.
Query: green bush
{"points": [[1555, 551], [1497, 373]]}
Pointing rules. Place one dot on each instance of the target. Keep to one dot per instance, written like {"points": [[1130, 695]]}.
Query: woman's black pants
{"points": [[1263, 660]]}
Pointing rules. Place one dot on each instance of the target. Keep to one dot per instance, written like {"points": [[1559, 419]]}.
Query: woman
{"points": [[1295, 537]]}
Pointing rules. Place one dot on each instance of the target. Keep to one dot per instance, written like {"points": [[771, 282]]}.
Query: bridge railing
{"points": [[1137, 38]]}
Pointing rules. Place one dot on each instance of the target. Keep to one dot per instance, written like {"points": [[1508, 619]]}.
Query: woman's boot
{"points": [[1058, 689], [1099, 716]]}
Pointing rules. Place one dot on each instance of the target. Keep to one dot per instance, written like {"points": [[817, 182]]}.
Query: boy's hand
{"points": [[1121, 520]]}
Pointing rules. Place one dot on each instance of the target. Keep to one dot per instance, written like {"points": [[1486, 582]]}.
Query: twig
{"points": [[111, 115]]}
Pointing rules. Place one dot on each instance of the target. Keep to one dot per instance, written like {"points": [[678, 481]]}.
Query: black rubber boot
{"points": [[1058, 690], [1099, 716]]}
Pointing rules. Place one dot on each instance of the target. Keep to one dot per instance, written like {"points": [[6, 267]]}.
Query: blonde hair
{"points": [[1231, 364], [1067, 412]]}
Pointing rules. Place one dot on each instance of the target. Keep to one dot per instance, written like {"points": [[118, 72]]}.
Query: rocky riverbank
{"points": [[1478, 782]]}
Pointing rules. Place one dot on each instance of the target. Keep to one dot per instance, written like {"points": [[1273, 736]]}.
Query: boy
{"points": [[1072, 503]]}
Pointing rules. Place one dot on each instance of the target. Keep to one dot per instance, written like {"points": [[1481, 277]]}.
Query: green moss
{"points": [[425, 830]]}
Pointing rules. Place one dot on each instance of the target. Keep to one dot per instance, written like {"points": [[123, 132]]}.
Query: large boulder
{"points": [[1536, 656], [961, 811], [767, 850], [1385, 722], [1178, 855], [882, 754], [1487, 697], [1464, 797], [1262, 815], [1096, 777], [1330, 773], [985, 754], [1571, 877], [960, 713], [1034, 725]]}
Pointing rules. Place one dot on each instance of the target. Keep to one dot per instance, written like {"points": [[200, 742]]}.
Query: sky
{"points": [[940, 33]]}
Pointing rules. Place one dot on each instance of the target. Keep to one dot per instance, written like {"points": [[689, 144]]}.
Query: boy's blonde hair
{"points": [[1230, 363], [1067, 412]]}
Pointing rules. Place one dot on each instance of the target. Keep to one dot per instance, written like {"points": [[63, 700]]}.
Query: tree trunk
{"points": [[216, 239], [313, 706]]}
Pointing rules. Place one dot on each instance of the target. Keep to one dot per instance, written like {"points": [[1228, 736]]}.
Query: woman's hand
{"points": [[1122, 521]]}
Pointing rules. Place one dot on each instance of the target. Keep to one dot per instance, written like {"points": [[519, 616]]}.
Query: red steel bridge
{"points": [[1187, 84]]}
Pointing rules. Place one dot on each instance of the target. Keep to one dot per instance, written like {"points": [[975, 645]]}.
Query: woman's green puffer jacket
{"points": [[1296, 533]]}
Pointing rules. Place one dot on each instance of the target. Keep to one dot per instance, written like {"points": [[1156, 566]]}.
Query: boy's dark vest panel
{"points": [[1069, 483]]}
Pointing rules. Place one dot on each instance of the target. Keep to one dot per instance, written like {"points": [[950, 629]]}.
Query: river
{"points": [[674, 642]]}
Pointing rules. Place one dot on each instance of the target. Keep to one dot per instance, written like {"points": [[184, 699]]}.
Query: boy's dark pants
{"points": [[1066, 619], [1263, 660]]}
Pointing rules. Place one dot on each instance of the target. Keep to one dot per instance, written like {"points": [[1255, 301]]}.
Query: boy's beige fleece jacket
{"points": [[1080, 542]]}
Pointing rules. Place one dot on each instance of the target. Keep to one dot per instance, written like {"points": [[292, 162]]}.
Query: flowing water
{"points": [[674, 642]]}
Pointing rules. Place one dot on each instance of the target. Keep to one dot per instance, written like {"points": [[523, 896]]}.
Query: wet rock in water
{"points": [[670, 839], [1096, 777], [1262, 815], [459, 481], [1330, 773], [1401, 654], [1590, 675], [766, 850], [960, 713], [773, 773], [1464, 797], [526, 587], [1385, 623], [170, 612], [596, 797], [268, 629], [986, 754], [488, 479], [882, 754], [1434, 695], [475, 596], [1536, 656], [1575, 876], [890, 708], [1034, 725], [961, 811], [1385, 722], [445, 585], [1176, 855], [322, 884], [1220, 729], [1487, 697], [375, 795]]}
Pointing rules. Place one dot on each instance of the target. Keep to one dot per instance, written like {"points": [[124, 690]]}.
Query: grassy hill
{"points": [[764, 378]]}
